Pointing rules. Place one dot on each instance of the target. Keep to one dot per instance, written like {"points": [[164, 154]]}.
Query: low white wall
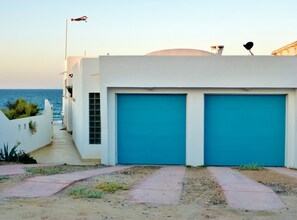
{"points": [[17, 131]]}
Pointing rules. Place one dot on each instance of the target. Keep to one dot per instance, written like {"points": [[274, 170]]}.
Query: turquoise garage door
{"points": [[151, 129], [245, 129]]}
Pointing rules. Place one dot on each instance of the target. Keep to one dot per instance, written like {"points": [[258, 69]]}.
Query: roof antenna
{"points": [[249, 46]]}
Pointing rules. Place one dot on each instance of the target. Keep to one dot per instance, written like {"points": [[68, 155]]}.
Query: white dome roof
{"points": [[180, 52]]}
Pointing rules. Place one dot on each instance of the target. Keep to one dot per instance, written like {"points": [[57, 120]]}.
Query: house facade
{"points": [[185, 110]]}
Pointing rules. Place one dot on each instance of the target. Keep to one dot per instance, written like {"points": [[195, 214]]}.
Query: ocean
{"points": [[35, 96]]}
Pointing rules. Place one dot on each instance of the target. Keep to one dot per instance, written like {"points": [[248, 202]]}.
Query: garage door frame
{"points": [[244, 107], [177, 101]]}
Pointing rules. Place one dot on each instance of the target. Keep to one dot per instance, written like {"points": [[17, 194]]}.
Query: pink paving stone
{"points": [[44, 186], [163, 187], [244, 193]]}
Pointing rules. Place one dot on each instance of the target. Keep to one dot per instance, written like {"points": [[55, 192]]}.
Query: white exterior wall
{"points": [[67, 100], [85, 80], [195, 76], [17, 131]]}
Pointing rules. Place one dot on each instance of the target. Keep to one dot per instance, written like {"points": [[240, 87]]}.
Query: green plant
{"points": [[251, 167], [111, 187], [33, 127], [3, 178], [9, 156], [20, 109], [84, 192], [25, 158]]}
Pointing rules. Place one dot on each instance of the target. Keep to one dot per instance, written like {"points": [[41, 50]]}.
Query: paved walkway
{"points": [[163, 187], [244, 193], [7, 170], [61, 150], [285, 171], [44, 186]]}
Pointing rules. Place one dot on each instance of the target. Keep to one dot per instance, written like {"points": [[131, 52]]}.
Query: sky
{"points": [[33, 32]]}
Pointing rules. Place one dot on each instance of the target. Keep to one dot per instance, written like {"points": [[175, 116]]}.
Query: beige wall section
{"points": [[288, 50]]}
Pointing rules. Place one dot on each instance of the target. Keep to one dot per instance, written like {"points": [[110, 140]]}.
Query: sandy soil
{"points": [[201, 199]]}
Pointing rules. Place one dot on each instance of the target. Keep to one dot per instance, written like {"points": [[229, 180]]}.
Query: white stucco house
{"points": [[186, 107]]}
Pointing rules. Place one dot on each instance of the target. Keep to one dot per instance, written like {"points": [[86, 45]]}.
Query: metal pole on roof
{"points": [[66, 39]]}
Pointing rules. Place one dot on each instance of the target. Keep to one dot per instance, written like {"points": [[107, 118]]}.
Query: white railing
{"points": [[17, 131]]}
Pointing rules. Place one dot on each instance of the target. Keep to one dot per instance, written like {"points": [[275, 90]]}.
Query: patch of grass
{"points": [[45, 170], [3, 178], [85, 192], [61, 169], [111, 187], [251, 167]]}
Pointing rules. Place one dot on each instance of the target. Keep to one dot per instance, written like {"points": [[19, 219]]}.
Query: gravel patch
{"points": [[200, 187], [279, 183]]}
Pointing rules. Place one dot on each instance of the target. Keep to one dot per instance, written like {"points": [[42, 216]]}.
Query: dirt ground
{"points": [[201, 199]]}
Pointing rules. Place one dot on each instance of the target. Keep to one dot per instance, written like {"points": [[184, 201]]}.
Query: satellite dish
{"points": [[249, 46]]}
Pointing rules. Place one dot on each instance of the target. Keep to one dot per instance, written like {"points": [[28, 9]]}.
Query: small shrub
{"points": [[25, 158], [111, 187], [33, 127], [84, 192], [9, 156], [251, 167], [20, 109], [3, 178]]}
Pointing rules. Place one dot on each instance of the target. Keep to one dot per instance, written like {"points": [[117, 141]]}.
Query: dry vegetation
{"points": [[279, 183], [199, 187], [201, 198]]}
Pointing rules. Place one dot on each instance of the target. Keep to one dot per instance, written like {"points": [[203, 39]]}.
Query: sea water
{"points": [[37, 96]]}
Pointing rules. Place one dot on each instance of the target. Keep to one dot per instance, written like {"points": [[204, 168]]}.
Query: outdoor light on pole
{"points": [[83, 18]]}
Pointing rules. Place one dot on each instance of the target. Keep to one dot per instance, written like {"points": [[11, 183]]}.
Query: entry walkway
{"points": [[163, 187], [44, 186], [61, 150], [244, 193]]}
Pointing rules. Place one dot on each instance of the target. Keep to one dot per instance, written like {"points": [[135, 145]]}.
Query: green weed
{"points": [[3, 178], [251, 167], [84, 192]]}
